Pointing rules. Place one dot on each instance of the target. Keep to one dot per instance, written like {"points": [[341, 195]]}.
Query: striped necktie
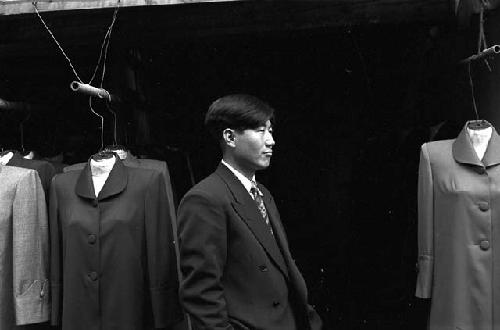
{"points": [[257, 196]]}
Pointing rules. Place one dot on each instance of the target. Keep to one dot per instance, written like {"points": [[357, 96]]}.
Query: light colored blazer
{"points": [[24, 286], [459, 233]]}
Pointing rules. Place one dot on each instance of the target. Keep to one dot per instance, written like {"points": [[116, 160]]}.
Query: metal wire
{"points": [[103, 51], [57, 43], [102, 121], [472, 92], [105, 47]]}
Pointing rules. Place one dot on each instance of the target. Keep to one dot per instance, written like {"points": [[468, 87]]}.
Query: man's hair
{"points": [[237, 111]]}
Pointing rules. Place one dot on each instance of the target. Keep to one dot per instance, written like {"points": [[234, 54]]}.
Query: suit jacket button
{"points": [[91, 239], [93, 276], [276, 303], [263, 268], [484, 245], [484, 206]]}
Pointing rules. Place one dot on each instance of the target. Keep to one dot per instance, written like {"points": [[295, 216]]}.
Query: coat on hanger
{"points": [[113, 264], [459, 233]]}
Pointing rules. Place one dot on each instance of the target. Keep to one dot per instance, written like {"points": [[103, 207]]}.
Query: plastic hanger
{"points": [[119, 149], [103, 154], [478, 124], [5, 152]]}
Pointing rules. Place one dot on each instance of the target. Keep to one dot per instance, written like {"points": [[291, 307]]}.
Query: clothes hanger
{"points": [[119, 149], [102, 153], [6, 152], [21, 132], [479, 124]]}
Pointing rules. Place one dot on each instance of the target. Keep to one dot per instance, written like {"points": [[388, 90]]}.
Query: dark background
{"points": [[354, 103]]}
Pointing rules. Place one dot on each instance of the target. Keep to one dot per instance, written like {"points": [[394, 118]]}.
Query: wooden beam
{"points": [[24, 34]]}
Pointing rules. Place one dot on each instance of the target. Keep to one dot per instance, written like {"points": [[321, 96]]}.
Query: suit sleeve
{"points": [[203, 252], [30, 252], [161, 258], [55, 254], [425, 226]]}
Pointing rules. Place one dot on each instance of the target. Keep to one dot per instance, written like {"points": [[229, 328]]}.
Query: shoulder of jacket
{"points": [[438, 146], [66, 177], [212, 187], [13, 173]]}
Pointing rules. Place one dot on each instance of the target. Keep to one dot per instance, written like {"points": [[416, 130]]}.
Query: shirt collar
{"points": [[243, 179]]}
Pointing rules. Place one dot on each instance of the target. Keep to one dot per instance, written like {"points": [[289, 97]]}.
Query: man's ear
{"points": [[229, 137]]}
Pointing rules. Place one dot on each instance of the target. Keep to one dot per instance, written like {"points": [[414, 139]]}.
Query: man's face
{"points": [[253, 148]]}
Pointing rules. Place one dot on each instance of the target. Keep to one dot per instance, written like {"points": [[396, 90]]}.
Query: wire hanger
{"points": [[21, 131], [478, 123]]}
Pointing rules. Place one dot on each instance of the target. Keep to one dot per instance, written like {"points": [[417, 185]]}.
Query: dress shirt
{"points": [[247, 183]]}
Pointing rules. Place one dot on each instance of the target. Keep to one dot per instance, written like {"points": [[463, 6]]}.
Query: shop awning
{"points": [[12, 7]]}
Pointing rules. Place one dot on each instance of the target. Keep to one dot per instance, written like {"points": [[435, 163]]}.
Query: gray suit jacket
{"points": [[24, 287]]}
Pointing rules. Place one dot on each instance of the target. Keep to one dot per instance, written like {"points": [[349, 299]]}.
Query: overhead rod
{"points": [[491, 51], [92, 91]]}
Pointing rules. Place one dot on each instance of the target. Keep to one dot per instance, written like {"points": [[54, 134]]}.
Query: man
{"points": [[237, 270]]}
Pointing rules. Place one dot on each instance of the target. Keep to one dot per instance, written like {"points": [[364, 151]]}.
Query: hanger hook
{"points": [[114, 123], [21, 130], [102, 121]]}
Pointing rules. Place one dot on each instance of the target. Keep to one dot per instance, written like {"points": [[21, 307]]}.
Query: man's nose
{"points": [[270, 140]]}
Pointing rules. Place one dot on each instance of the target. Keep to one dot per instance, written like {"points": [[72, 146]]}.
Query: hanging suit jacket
{"points": [[112, 257], [235, 273], [152, 164], [24, 285], [45, 170], [161, 167], [459, 234]]}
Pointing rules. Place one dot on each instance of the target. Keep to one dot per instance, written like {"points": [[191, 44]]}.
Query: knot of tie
{"points": [[257, 196], [255, 191]]}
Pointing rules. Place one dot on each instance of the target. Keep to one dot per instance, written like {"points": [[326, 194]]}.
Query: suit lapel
{"points": [[115, 183], [246, 208], [464, 152], [492, 154], [274, 218], [84, 185]]}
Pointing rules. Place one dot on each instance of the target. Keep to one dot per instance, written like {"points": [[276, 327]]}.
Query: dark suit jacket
{"points": [[113, 263], [235, 274]]}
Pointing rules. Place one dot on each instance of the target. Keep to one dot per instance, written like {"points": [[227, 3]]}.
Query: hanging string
{"points": [[103, 51], [104, 48], [472, 92], [481, 46], [481, 41], [57, 43]]}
